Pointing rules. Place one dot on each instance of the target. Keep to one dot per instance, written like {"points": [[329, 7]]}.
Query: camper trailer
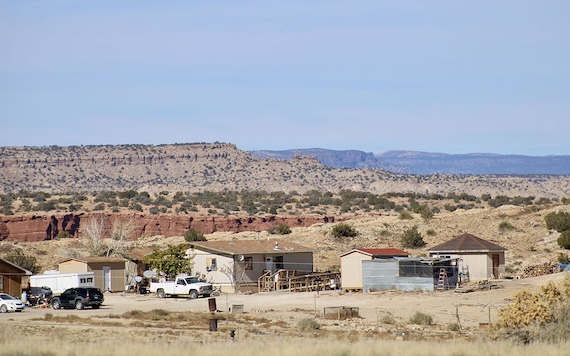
{"points": [[58, 282]]}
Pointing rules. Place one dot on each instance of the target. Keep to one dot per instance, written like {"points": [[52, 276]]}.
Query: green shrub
{"points": [[412, 238], [344, 230], [387, 319], [559, 221], [309, 324], [431, 232], [281, 229], [63, 234], [563, 258], [420, 318], [505, 226], [405, 215], [194, 235], [453, 327], [564, 239]]}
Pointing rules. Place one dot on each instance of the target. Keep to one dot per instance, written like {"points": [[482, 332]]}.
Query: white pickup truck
{"points": [[183, 285]]}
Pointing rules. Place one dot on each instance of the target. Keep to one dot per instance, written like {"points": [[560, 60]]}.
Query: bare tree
{"points": [[118, 244], [93, 231]]}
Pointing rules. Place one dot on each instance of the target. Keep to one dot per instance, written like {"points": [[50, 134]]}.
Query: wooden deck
{"points": [[298, 281]]}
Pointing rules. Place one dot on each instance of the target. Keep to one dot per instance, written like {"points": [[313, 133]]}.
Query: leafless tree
{"points": [[119, 244], [93, 231]]}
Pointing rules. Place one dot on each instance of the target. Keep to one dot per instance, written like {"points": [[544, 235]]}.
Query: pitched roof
{"points": [[379, 252], [94, 259], [467, 243], [17, 269], [250, 247]]}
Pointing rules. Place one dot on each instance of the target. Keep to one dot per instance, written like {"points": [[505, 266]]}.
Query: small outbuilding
{"points": [[11, 277], [479, 259], [409, 274], [351, 264], [110, 272]]}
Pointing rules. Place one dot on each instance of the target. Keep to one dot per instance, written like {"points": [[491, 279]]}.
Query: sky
{"points": [[435, 76]]}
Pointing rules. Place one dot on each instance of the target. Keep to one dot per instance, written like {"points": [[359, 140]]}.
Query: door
{"points": [[107, 278], [495, 266], [269, 263]]}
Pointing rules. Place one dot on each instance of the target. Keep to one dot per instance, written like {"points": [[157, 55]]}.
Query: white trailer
{"points": [[58, 282]]}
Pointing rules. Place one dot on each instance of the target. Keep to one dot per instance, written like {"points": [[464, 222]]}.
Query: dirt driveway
{"points": [[473, 308]]}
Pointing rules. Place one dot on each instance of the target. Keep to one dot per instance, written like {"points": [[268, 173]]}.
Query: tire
{"points": [[160, 293], [79, 304], [193, 294], [3, 308], [56, 304]]}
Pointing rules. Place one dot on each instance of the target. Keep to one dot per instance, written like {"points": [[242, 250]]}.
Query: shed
{"points": [[246, 261], [11, 277], [479, 259], [351, 264], [409, 274], [110, 272]]}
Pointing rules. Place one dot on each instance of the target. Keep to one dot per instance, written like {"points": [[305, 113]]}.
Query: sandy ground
{"points": [[472, 308]]}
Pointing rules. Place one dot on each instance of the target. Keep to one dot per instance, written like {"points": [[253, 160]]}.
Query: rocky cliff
{"points": [[47, 227]]}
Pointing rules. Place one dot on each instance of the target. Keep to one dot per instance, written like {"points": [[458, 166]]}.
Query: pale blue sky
{"points": [[438, 76]]}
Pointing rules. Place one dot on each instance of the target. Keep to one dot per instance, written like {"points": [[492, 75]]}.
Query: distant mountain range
{"points": [[413, 162]]}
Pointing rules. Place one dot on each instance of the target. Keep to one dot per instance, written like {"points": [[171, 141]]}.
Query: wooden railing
{"points": [[297, 281]]}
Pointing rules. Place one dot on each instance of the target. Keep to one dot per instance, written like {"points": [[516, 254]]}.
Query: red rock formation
{"points": [[46, 227]]}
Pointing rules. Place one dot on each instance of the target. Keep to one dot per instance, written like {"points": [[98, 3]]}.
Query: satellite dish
{"points": [[148, 274], [138, 279], [241, 258]]}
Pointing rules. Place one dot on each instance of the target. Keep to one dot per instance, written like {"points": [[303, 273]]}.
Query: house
{"points": [[110, 272], [351, 264], [242, 263], [11, 277], [479, 259], [409, 274]]}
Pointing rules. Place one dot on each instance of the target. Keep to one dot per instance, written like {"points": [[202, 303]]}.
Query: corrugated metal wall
{"points": [[384, 274]]}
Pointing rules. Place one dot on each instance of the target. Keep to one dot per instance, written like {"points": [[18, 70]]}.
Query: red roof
{"points": [[384, 251]]}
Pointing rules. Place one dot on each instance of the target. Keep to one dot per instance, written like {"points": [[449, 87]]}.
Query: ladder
{"points": [[442, 282]]}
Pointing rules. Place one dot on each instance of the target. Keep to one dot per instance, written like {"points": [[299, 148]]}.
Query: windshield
{"points": [[6, 297], [191, 280]]}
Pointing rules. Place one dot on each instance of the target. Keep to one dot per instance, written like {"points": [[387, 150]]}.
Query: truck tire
{"points": [[56, 304], [193, 294], [79, 304], [160, 293]]}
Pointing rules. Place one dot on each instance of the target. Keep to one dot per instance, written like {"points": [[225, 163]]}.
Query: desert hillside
{"points": [[527, 238], [199, 167]]}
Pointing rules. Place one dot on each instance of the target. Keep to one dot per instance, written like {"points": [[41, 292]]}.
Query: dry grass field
{"points": [[277, 323]]}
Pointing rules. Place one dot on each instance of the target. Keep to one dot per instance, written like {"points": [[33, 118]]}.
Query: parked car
{"points": [[183, 285], [9, 303], [78, 298], [39, 295]]}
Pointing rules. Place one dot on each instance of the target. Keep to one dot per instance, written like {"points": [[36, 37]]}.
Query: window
{"points": [[248, 263], [211, 264], [86, 280], [278, 260], [181, 282], [1, 283]]}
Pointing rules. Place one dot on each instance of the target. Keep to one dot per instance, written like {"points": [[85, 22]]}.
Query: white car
{"points": [[9, 303]]}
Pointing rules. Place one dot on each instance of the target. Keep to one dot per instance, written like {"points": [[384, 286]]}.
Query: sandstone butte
{"points": [[30, 228]]}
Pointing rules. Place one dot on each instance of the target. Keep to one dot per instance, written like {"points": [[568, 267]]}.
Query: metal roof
{"points": [[378, 252], [250, 247]]}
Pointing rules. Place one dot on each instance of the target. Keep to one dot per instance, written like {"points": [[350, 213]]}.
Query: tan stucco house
{"points": [[246, 260], [11, 277], [351, 264], [110, 274], [478, 258]]}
